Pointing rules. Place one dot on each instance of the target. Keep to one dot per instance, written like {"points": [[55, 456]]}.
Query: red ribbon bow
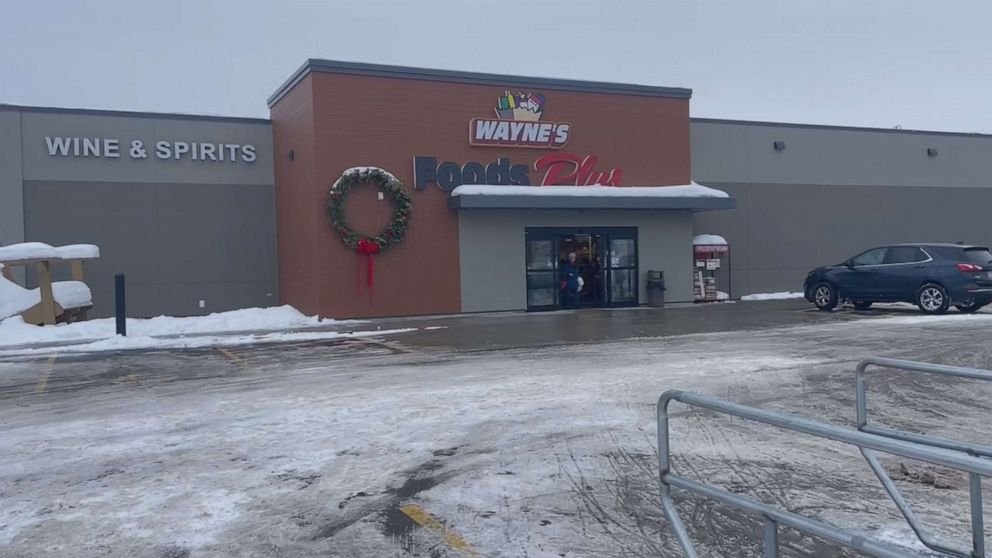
{"points": [[368, 248]]}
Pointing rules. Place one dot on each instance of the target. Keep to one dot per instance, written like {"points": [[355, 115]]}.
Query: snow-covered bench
{"points": [[50, 302]]}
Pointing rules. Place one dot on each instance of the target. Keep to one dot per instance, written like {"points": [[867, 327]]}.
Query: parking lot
{"points": [[498, 435]]}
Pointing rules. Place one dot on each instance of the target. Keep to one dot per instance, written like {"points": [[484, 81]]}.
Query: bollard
{"points": [[120, 310]]}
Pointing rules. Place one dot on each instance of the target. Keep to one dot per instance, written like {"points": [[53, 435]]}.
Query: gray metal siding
{"points": [[834, 192], [177, 243], [738, 152], [11, 191], [492, 251], [39, 165], [780, 231]]}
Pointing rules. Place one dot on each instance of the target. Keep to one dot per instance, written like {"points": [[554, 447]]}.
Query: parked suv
{"points": [[932, 276]]}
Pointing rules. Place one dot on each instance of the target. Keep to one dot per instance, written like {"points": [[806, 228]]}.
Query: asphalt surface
{"points": [[485, 435]]}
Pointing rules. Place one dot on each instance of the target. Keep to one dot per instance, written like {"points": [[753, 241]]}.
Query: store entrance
{"points": [[605, 262]]}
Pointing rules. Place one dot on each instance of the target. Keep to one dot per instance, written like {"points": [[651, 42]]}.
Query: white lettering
{"points": [[111, 148], [91, 147], [57, 146], [530, 133], [544, 135], [232, 150], [502, 131], [75, 147], [208, 150], [180, 148], [561, 134], [248, 153], [484, 129], [163, 150], [515, 129]]}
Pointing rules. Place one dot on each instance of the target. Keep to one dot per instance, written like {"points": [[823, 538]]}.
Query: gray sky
{"points": [[918, 64]]}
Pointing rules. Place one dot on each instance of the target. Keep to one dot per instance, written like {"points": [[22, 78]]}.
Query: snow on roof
{"points": [[79, 252], [691, 190], [28, 251], [709, 240], [42, 251]]}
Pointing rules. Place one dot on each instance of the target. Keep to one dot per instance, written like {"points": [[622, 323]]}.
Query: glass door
{"points": [[622, 268], [542, 272]]}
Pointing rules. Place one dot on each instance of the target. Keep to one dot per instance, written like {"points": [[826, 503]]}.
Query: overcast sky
{"points": [[918, 64]]}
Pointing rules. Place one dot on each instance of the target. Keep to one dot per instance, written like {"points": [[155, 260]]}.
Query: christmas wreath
{"points": [[368, 246], [395, 230]]}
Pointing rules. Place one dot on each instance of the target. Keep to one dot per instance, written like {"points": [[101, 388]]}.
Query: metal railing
{"points": [[976, 468], [978, 450]]}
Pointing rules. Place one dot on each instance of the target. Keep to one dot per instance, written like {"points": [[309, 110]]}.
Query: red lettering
{"points": [[566, 169]]}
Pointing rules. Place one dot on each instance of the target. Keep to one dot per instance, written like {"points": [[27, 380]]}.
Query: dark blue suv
{"points": [[931, 276]]}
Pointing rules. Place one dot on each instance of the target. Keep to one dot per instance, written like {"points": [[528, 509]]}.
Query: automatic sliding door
{"points": [[622, 271], [542, 273]]}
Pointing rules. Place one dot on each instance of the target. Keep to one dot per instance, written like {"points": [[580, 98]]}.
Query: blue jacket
{"points": [[570, 275]]}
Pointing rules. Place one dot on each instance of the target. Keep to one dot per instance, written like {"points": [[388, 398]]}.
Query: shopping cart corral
{"points": [[968, 458]]}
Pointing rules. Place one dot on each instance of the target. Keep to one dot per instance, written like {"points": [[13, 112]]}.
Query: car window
{"points": [[874, 256], [904, 254], [980, 256]]}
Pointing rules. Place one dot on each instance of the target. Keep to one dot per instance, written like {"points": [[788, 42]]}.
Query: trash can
{"points": [[656, 288]]}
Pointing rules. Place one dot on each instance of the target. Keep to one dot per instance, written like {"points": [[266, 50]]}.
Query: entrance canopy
{"points": [[693, 197]]}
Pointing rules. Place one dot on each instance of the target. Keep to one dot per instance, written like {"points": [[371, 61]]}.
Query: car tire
{"points": [[825, 297], [969, 308], [932, 299], [861, 305]]}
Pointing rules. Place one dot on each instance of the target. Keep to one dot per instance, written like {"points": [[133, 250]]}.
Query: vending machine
{"points": [[709, 252]]}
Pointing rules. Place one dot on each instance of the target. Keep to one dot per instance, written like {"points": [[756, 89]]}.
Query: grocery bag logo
{"points": [[518, 124]]}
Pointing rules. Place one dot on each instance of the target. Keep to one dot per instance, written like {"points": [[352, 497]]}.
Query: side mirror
{"points": [[848, 264]]}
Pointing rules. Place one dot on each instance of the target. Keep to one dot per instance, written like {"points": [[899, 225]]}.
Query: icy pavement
{"points": [[317, 449]]}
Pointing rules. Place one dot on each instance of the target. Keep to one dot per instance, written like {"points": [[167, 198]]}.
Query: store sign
{"points": [[110, 148], [555, 169], [517, 124]]}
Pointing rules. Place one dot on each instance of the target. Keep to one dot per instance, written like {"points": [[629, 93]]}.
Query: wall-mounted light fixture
{"points": [[291, 155], [778, 145], [931, 152]]}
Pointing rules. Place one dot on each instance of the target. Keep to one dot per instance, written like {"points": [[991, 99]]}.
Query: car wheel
{"points": [[932, 299], [861, 305], [825, 297], [969, 308]]}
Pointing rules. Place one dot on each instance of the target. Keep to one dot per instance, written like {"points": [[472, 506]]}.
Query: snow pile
{"points": [[28, 251], [14, 298], [691, 190], [79, 252], [13, 331], [785, 295], [708, 240], [720, 295], [69, 294]]}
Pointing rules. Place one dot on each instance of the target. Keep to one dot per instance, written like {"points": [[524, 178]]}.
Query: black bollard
{"points": [[120, 309]]}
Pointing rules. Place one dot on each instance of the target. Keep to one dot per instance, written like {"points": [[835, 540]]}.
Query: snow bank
{"points": [[79, 252], [772, 296], [708, 240], [13, 331], [691, 190], [28, 251], [14, 298]]}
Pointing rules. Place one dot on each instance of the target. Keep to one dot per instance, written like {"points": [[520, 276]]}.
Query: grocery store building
{"points": [[500, 174]]}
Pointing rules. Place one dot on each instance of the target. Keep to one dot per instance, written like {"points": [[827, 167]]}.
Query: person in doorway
{"points": [[570, 282]]}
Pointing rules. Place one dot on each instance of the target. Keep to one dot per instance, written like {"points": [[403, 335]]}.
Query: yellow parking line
{"points": [[431, 523], [230, 355], [43, 380]]}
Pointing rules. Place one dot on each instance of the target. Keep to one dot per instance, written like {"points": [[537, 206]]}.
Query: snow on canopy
{"points": [[28, 251], [42, 251], [79, 252], [691, 190], [709, 240]]}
